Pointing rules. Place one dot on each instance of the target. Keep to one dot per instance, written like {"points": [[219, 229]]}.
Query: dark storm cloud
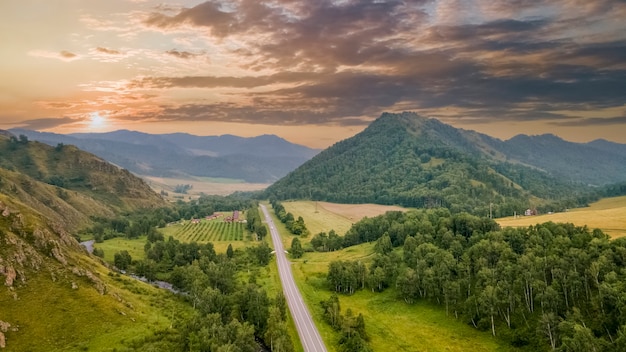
{"points": [[46, 123], [358, 58]]}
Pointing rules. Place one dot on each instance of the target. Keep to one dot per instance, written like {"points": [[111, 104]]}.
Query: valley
{"points": [[199, 186], [388, 234]]}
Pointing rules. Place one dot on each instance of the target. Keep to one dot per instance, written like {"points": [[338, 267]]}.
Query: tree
{"points": [[276, 334], [332, 311], [262, 253], [229, 251], [383, 245], [122, 260], [296, 249], [98, 252]]}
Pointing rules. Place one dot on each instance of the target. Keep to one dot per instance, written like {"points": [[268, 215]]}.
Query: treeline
{"points": [[352, 328], [254, 223], [229, 314], [554, 286], [615, 190], [295, 226], [397, 225], [145, 222]]}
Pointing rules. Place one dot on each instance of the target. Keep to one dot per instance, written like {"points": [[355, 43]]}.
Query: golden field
{"points": [[608, 214]]}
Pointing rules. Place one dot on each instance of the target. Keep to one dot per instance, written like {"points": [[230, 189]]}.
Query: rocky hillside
{"points": [[68, 184], [46, 195]]}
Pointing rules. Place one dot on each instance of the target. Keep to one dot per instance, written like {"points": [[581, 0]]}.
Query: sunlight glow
{"points": [[97, 121]]}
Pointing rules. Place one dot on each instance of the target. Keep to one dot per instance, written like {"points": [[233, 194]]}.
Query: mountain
{"points": [[259, 159], [596, 163], [414, 161], [56, 296]]}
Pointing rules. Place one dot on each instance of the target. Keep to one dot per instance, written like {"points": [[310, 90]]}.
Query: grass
{"points": [[324, 216], [82, 319], [391, 324], [133, 246], [608, 214]]}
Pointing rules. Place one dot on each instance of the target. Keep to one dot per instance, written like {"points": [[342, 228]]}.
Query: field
{"points": [[210, 231], [323, 216], [608, 214], [216, 231], [212, 186], [114, 245]]}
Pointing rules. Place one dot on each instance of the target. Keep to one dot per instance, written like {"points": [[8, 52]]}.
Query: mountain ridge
{"points": [[260, 159]]}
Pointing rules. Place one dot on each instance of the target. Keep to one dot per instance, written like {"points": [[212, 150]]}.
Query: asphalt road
{"points": [[309, 335]]}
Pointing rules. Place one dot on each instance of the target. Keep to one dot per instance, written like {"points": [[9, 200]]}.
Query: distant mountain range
{"points": [[414, 161], [261, 159]]}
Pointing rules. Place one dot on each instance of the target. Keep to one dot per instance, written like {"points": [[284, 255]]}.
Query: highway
{"points": [[309, 335]]}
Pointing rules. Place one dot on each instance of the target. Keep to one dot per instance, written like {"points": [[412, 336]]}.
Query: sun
{"points": [[97, 121]]}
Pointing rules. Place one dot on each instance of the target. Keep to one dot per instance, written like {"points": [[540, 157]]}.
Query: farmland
{"points": [[608, 214], [324, 216], [210, 231]]}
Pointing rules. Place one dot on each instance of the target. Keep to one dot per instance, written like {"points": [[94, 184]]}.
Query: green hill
{"points": [[413, 161], [68, 184], [56, 297]]}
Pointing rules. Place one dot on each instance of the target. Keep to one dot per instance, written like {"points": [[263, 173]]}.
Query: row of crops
{"points": [[211, 231]]}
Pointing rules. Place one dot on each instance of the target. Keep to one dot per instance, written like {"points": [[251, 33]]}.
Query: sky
{"points": [[314, 72]]}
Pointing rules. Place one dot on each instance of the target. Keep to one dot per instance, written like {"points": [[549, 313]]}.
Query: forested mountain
{"points": [[414, 161], [261, 159]]}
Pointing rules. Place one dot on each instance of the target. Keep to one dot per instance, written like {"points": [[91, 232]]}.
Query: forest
{"points": [[548, 286]]}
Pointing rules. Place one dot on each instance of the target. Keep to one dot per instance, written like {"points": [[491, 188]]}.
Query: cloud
{"points": [[62, 55], [344, 62], [46, 123], [108, 51], [185, 55], [593, 121]]}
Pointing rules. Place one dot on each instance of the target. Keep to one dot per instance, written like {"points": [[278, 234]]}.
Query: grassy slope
{"points": [[67, 319], [607, 214], [392, 324]]}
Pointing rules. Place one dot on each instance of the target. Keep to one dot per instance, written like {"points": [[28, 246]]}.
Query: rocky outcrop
{"points": [[4, 327]]}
